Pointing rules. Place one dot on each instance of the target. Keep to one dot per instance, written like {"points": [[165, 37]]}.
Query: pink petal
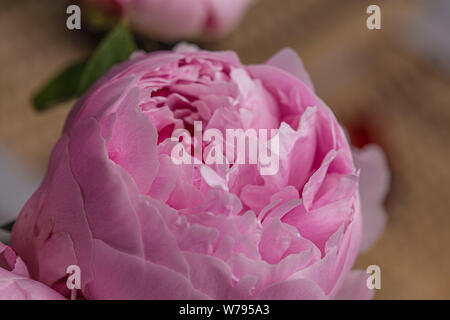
{"points": [[288, 60], [299, 289], [129, 277], [373, 185], [133, 143], [13, 287], [355, 287], [15, 283]]}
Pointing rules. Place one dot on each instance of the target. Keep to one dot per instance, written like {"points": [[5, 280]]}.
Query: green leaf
{"points": [[9, 226], [73, 82], [61, 88], [117, 47]]}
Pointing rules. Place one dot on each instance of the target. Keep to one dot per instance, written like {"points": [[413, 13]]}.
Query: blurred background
{"points": [[388, 86]]}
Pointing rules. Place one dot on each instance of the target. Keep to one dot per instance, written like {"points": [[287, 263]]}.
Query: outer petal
{"points": [[210, 275], [288, 60], [374, 185], [13, 287], [355, 287], [300, 289], [15, 283], [48, 217], [339, 255], [129, 277]]}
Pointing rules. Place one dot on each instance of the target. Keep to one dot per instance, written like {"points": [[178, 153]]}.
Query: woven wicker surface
{"points": [[369, 78]]}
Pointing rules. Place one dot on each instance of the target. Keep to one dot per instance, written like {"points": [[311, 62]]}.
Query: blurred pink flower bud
{"points": [[172, 20]]}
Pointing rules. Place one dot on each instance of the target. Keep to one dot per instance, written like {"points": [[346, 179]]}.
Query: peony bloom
{"points": [[172, 20], [140, 226], [15, 283]]}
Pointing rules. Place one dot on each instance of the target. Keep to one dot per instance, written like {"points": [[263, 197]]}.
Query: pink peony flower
{"points": [[15, 283], [140, 226], [172, 20]]}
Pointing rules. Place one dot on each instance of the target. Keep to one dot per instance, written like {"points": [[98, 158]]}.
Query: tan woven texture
{"points": [[369, 76]]}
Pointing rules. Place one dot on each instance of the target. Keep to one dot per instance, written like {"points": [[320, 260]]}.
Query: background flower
{"points": [[172, 20], [140, 226]]}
